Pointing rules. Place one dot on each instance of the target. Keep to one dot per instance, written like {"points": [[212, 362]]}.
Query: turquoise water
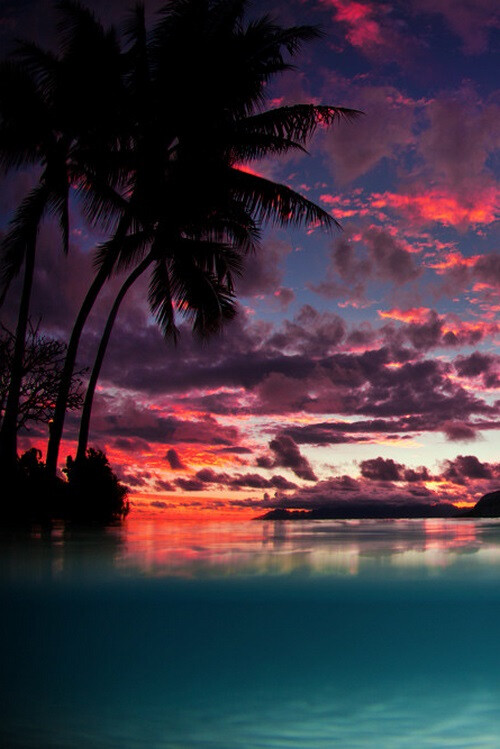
{"points": [[291, 635]]}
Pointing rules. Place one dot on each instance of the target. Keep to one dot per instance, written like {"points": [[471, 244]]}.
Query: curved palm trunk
{"points": [[57, 426], [89, 396], [8, 432]]}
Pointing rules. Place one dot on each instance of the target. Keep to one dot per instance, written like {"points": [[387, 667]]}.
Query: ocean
{"points": [[252, 635]]}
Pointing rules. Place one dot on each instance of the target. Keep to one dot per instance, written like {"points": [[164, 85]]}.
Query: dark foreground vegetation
{"points": [[91, 492]]}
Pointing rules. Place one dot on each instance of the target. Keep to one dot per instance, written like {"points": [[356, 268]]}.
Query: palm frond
{"points": [[137, 55], [24, 120], [23, 229], [77, 23], [254, 146], [296, 123], [133, 249], [202, 299], [160, 300], [102, 203], [270, 201], [214, 257], [43, 65]]}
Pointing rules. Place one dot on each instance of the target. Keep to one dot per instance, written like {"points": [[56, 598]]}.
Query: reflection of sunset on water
{"points": [[336, 547]]}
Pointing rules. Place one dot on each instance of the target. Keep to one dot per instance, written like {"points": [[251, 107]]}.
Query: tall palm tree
{"points": [[235, 134], [196, 87], [47, 116]]}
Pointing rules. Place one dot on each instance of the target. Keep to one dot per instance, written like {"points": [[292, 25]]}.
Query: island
{"points": [[486, 507]]}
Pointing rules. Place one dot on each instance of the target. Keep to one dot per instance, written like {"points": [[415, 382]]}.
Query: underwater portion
{"points": [[289, 635]]}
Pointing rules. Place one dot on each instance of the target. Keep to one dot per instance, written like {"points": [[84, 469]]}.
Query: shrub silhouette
{"points": [[95, 493]]}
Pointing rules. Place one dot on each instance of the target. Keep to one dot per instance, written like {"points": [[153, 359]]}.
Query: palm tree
{"points": [[235, 133], [47, 116]]}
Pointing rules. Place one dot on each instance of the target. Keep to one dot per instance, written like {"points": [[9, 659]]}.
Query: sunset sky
{"points": [[364, 364]]}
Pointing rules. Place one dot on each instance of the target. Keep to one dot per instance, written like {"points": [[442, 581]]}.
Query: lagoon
{"points": [[248, 635]]}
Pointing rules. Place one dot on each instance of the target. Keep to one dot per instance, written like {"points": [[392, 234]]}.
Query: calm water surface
{"points": [[287, 635]]}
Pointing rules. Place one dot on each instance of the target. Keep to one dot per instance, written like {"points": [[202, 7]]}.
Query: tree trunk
{"points": [[8, 432], [89, 396], [57, 426]]}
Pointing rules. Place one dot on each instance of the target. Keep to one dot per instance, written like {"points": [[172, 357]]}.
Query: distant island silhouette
{"points": [[487, 507]]}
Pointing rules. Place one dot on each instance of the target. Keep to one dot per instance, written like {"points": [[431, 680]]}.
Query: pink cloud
{"points": [[411, 315], [371, 28], [363, 30], [440, 205]]}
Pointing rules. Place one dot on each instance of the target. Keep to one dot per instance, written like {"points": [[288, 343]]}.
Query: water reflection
{"points": [[155, 548]]}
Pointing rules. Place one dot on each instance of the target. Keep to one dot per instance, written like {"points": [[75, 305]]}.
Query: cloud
{"points": [[459, 140], [371, 254], [384, 133], [442, 205], [173, 459], [426, 329], [472, 22], [311, 332], [371, 28], [243, 480], [381, 469], [284, 296], [163, 486], [458, 431], [264, 270], [287, 454], [190, 485], [468, 467], [343, 496], [486, 366]]}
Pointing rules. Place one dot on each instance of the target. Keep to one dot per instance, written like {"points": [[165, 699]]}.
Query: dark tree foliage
{"points": [[42, 366], [94, 491]]}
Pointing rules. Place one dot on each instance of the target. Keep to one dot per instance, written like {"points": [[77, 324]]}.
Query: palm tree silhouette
{"points": [[48, 115], [200, 184], [151, 139]]}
